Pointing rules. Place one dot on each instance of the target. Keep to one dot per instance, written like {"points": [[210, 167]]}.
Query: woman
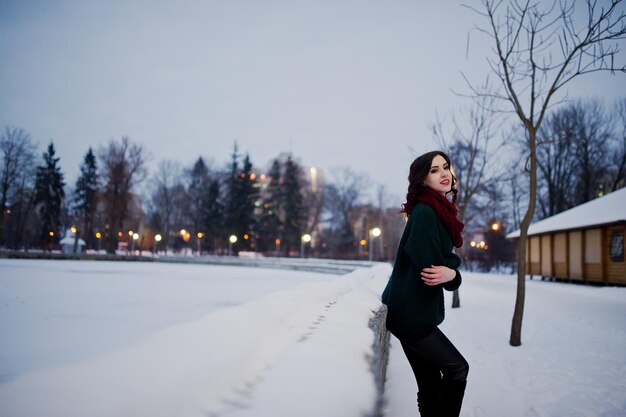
{"points": [[425, 265]]}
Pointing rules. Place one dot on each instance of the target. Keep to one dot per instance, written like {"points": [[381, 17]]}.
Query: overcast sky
{"points": [[337, 83]]}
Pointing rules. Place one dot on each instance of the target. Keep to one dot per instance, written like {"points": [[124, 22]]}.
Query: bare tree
{"points": [[536, 52], [122, 165], [580, 155], [618, 151], [470, 145], [166, 198], [556, 163], [344, 192], [591, 152], [17, 170]]}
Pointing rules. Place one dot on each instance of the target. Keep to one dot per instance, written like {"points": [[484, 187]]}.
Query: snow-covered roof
{"points": [[70, 241], [70, 237], [607, 209]]}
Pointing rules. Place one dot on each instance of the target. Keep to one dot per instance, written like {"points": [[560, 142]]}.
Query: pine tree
{"points": [[241, 200], [293, 205], [197, 191], [233, 198], [213, 216], [86, 196], [249, 198], [269, 221], [49, 197]]}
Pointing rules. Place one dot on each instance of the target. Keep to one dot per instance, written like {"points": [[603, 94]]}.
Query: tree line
{"points": [[581, 155], [197, 207]]}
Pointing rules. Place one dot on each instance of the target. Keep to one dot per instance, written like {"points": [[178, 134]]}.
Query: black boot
{"points": [[452, 398], [428, 403]]}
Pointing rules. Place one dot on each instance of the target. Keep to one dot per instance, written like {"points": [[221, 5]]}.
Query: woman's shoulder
{"points": [[423, 217], [422, 210]]}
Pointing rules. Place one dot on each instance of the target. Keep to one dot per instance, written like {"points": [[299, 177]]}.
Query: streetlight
{"points": [[135, 237], [99, 237], [277, 242], [306, 238], [231, 240], [362, 244], [157, 239], [199, 236], [375, 232]]}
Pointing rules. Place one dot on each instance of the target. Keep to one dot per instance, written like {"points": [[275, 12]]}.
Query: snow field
{"points": [[300, 351], [117, 339]]}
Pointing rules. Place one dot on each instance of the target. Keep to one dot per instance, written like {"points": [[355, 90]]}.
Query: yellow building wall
{"points": [[560, 255], [593, 255], [534, 265], [581, 255], [575, 255], [546, 255]]}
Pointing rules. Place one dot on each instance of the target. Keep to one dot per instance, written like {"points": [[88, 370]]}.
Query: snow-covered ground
{"points": [[146, 339], [82, 338], [572, 362]]}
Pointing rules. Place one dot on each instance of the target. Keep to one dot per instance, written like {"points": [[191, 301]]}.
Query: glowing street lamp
{"points": [[231, 240], [185, 235], [374, 233], [99, 238], [157, 239], [306, 238], [199, 235], [135, 237]]}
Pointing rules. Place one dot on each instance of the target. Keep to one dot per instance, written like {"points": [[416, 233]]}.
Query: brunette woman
{"points": [[426, 265]]}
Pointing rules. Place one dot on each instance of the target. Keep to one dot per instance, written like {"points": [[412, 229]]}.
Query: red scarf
{"points": [[446, 212]]}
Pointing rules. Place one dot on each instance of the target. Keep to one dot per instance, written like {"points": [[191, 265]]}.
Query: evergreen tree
{"points": [[197, 191], [249, 198], [86, 196], [241, 201], [49, 197], [269, 220], [293, 205], [213, 216], [205, 209], [233, 198]]}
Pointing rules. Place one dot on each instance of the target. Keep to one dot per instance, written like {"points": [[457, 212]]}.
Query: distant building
{"points": [[68, 242], [585, 243]]}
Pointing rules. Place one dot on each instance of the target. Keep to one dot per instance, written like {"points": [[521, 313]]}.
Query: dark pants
{"points": [[441, 374]]}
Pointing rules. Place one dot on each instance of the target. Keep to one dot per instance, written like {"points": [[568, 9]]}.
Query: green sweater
{"points": [[414, 308]]}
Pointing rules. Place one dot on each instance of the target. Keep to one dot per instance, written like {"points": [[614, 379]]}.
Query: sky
{"points": [[336, 83]]}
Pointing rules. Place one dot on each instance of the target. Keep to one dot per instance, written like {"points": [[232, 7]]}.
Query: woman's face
{"points": [[439, 177]]}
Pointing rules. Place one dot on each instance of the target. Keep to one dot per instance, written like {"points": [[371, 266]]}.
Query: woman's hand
{"points": [[437, 274]]}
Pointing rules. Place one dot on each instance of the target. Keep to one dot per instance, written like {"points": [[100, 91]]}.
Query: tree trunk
{"points": [[456, 302], [518, 313]]}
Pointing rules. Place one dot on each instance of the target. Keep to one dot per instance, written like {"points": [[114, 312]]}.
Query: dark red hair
{"points": [[417, 174]]}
